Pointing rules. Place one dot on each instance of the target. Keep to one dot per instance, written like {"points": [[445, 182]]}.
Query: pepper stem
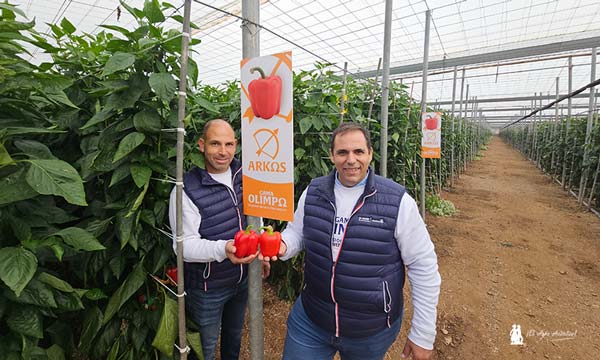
{"points": [[261, 71], [268, 228], [248, 228]]}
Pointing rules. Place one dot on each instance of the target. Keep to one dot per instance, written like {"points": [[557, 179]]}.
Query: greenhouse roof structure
{"points": [[510, 49]]}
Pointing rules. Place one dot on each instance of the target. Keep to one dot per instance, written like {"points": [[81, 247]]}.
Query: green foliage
{"points": [[438, 206], [558, 148]]}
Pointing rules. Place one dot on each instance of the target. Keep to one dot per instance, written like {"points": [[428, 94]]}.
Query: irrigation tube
{"points": [[185, 40]]}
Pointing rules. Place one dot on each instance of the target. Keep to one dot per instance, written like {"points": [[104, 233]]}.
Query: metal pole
{"points": [[185, 40], [452, 129], [569, 100], [588, 132], [424, 101], [466, 128], [250, 49], [385, 83], [460, 121], [373, 91], [554, 128], [343, 99]]}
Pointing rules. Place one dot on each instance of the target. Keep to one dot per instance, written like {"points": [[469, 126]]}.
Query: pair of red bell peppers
{"points": [[265, 94], [246, 242]]}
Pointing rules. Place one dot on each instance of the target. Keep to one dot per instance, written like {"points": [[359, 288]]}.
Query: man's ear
{"points": [[201, 145], [331, 156]]}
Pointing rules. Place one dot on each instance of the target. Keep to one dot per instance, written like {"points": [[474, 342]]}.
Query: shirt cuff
{"points": [[220, 253], [421, 338]]}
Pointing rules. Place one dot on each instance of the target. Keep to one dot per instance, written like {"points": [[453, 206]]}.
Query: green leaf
{"points": [[36, 293], [55, 352], [117, 62], [20, 228], [12, 8], [305, 124], [15, 189], [195, 342], [206, 104], [125, 226], [92, 322], [55, 282], [34, 149], [163, 85], [128, 144], [17, 267], [147, 121], [79, 239], [117, 28], [99, 117], [56, 177], [5, 158], [26, 320], [152, 12], [67, 26], [119, 174], [141, 175], [68, 301], [61, 98], [133, 282], [166, 335], [95, 294], [299, 153], [138, 201], [10, 131], [114, 351]]}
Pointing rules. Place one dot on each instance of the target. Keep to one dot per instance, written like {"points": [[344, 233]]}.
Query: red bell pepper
{"points": [[172, 274], [265, 94], [431, 123], [245, 242], [270, 242]]}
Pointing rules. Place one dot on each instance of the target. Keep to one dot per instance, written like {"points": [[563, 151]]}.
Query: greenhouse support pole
{"points": [[466, 128], [588, 132], [385, 86], [452, 129], [460, 121], [594, 184], [373, 91], [250, 49], [424, 102], [567, 127], [554, 128], [343, 99], [185, 41]]}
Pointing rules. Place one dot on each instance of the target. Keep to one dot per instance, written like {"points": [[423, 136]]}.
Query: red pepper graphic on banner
{"points": [[265, 94]]}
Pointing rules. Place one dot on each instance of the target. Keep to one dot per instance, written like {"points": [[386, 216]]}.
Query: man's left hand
{"points": [[230, 252], [417, 352]]}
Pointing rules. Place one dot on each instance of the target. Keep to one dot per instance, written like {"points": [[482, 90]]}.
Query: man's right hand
{"points": [[230, 252], [282, 251]]}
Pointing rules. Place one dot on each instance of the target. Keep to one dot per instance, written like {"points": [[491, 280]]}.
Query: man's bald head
{"points": [[213, 122]]}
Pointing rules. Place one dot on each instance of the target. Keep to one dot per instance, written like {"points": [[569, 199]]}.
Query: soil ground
{"points": [[518, 251]]}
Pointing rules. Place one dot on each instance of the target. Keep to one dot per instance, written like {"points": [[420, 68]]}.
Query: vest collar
{"points": [[206, 179], [326, 187]]}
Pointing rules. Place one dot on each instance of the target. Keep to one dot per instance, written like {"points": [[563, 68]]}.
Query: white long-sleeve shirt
{"points": [[415, 247], [195, 248]]}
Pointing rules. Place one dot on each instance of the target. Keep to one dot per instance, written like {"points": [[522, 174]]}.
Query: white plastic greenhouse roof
{"points": [[351, 31]]}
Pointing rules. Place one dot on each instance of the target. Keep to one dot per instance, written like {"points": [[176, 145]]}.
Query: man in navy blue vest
{"points": [[360, 232], [215, 279]]}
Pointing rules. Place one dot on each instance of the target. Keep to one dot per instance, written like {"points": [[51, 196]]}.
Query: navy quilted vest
{"points": [[361, 293], [222, 217]]}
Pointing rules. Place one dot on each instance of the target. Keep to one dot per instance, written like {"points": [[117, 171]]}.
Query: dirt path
{"points": [[519, 251]]}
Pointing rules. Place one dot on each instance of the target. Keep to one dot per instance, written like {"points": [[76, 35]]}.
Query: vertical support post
{"points": [[251, 48], [460, 120], [424, 101], [373, 91], [385, 85], [185, 40], [466, 129], [452, 137], [554, 127], [343, 99], [588, 132], [568, 125]]}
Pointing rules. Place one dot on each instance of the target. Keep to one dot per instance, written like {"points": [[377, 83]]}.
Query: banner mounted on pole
{"points": [[268, 136], [431, 142]]}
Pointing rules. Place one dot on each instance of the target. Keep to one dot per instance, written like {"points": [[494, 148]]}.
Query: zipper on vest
{"points": [[358, 207], [239, 215], [387, 301]]}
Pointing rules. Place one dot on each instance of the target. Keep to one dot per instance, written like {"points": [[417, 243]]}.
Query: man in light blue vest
{"points": [[360, 232], [215, 279]]}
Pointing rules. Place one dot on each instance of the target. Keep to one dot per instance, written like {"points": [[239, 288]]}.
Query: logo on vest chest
{"points": [[370, 220]]}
